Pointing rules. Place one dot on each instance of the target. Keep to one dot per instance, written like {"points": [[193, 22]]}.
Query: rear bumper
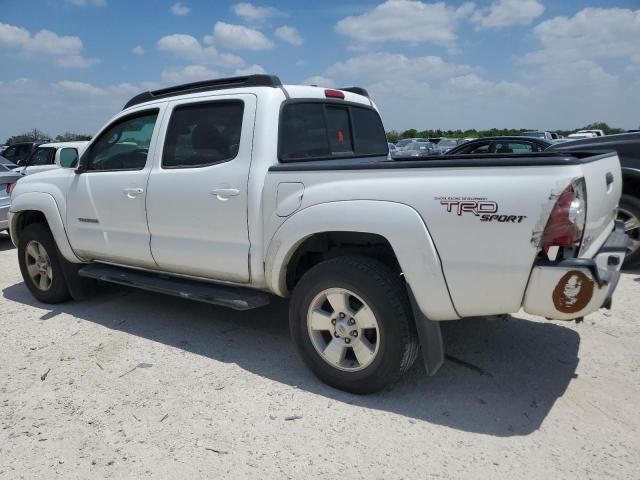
{"points": [[573, 288]]}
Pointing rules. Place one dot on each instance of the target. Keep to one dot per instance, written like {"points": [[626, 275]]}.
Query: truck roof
{"points": [[353, 94]]}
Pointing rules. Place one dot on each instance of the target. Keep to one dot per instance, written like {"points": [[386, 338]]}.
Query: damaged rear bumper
{"points": [[573, 288]]}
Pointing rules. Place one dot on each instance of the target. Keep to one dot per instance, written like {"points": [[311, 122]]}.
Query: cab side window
{"points": [[68, 158], [42, 156], [203, 134], [124, 145]]}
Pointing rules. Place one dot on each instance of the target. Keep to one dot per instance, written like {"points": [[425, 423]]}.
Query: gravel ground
{"points": [[133, 384]]}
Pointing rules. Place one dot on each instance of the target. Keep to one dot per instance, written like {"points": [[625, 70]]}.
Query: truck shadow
{"points": [[5, 242], [501, 378]]}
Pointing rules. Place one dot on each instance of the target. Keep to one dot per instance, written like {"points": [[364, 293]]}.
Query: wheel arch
{"points": [[39, 207], [631, 181], [394, 232]]}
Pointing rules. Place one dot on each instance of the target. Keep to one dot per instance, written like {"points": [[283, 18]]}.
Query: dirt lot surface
{"points": [[131, 385]]}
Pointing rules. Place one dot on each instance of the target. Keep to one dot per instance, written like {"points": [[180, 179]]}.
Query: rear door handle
{"points": [[133, 192], [223, 194]]}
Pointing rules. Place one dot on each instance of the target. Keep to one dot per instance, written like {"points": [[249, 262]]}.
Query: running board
{"points": [[238, 298]]}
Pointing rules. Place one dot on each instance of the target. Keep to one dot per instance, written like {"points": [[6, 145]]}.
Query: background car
{"points": [[416, 149], [53, 155], [501, 145], [7, 163], [406, 141], [446, 144], [7, 178], [627, 145], [18, 153]]}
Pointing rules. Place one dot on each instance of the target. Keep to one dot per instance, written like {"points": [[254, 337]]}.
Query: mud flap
{"points": [[79, 288], [430, 338]]}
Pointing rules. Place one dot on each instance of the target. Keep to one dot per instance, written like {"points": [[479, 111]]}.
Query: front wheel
{"points": [[40, 264], [351, 321]]}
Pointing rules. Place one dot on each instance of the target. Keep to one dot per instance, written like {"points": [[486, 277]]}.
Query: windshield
{"points": [[447, 143]]}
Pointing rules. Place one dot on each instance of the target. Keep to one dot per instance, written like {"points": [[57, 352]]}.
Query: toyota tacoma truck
{"points": [[229, 191]]}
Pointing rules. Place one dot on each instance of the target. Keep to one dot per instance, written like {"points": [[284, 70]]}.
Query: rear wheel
{"points": [[629, 213], [40, 264], [351, 321]]}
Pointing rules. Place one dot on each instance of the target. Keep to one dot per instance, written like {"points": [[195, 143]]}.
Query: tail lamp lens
{"points": [[10, 187], [567, 220]]}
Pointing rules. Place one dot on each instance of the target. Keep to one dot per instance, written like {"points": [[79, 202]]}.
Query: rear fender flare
{"points": [[398, 223]]}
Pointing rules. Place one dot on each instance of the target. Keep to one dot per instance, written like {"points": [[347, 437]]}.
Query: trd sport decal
{"points": [[486, 210]]}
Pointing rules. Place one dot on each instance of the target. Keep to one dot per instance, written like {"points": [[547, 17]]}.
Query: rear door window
{"points": [[203, 134], [324, 130]]}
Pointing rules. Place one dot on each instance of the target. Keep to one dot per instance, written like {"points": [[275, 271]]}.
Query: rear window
{"points": [[324, 130]]}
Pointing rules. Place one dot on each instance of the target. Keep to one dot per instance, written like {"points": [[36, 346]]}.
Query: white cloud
{"points": [[64, 51], [238, 37], [138, 50], [188, 48], [180, 9], [504, 13], [473, 84], [383, 66], [61, 106], [188, 74], [250, 70], [289, 35], [429, 91], [318, 80], [591, 33], [82, 3], [408, 21], [255, 14]]}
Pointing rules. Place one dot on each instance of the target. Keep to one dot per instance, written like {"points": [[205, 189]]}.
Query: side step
{"points": [[237, 298]]}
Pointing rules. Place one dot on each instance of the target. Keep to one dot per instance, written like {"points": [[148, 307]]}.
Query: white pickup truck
{"points": [[229, 191]]}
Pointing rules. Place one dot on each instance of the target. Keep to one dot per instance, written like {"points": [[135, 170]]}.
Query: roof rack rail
{"points": [[356, 90], [207, 85]]}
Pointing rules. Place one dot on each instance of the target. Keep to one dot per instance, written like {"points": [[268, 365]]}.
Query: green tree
{"points": [[411, 133], [393, 136], [34, 135], [72, 137]]}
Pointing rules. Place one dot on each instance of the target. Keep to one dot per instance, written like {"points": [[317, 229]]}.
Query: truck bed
{"points": [[486, 252]]}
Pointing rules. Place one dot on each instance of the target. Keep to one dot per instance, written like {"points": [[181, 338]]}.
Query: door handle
{"points": [[223, 194], [132, 192]]}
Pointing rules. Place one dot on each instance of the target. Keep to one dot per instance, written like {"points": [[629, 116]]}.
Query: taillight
{"points": [[567, 221], [10, 187], [333, 94]]}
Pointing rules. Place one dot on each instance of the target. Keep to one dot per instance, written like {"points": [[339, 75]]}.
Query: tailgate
{"points": [[603, 179]]}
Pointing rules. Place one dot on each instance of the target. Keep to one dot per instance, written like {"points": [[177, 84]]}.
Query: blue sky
{"points": [[69, 65]]}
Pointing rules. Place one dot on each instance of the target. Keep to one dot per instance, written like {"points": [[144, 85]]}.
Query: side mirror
{"points": [[21, 163]]}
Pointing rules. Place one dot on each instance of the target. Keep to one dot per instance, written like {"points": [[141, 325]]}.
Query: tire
{"points": [[366, 288], [37, 251], [629, 212]]}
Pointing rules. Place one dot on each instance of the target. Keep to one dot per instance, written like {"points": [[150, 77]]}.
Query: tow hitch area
{"points": [[573, 292]]}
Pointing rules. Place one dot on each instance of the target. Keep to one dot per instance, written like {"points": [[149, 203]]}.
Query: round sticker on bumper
{"points": [[573, 292]]}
